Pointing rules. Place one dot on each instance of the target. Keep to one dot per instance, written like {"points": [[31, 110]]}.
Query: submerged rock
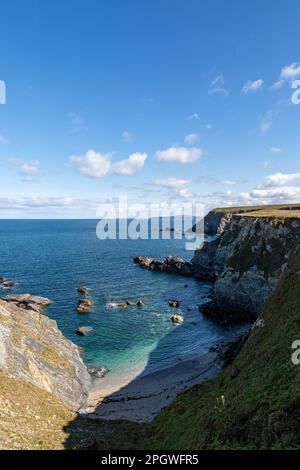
{"points": [[131, 303], [174, 303], [84, 306], [83, 290], [8, 284], [177, 319], [83, 330], [98, 372]]}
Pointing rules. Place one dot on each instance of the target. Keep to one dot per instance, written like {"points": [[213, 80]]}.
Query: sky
{"points": [[161, 101]]}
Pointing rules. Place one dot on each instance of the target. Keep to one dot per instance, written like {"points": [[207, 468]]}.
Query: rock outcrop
{"points": [[246, 262], [172, 264], [32, 349], [84, 306]]}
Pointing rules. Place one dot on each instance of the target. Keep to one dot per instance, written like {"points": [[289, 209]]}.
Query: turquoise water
{"points": [[53, 257]]}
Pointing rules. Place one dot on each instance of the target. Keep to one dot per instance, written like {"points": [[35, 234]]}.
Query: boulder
{"points": [[123, 305], [172, 264], [7, 284], [98, 372], [83, 290], [84, 306], [140, 303], [83, 330], [130, 302], [177, 319], [29, 302]]}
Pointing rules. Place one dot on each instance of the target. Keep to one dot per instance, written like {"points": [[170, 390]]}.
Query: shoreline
{"points": [[139, 398]]}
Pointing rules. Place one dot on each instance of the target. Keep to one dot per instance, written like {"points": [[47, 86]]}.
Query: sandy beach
{"points": [[139, 398]]}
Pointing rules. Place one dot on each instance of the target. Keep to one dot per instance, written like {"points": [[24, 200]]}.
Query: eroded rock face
{"points": [[172, 264], [247, 263], [34, 350]]}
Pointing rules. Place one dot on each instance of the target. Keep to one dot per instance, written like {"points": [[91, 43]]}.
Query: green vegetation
{"points": [[280, 211], [253, 404], [31, 418], [54, 358]]}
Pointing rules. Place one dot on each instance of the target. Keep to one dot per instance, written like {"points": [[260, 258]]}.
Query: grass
{"points": [[54, 358], [253, 404], [31, 418], [266, 209]]}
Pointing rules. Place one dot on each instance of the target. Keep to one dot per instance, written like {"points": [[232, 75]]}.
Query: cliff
{"points": [[216, 220], [246, 261], [33, 350], [247, 251]]}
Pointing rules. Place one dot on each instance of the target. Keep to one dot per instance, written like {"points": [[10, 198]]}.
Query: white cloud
{"points": [[34, 202], [267, 121], [252, 86], [275, 150], [193, 117], [170, 182], [264, 164], [127, 136], [219, 91], [92, 163], [131, 165], [281, 179], [229, 182], [27, 170], [209, 126], [218, 80], [179, 154], [273, 195], [184, 193], [97, 165], [217, 86], [77, 123], [288, 73], [3, 140], [191, 139]]}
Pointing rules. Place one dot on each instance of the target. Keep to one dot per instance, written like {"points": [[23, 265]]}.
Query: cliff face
{"points": [[246, 261], [32, 349]]}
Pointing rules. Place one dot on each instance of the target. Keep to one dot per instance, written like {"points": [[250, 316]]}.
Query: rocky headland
{"points": [[33, 350], [245, 254]]}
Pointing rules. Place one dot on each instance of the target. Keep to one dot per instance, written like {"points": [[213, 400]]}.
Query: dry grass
{"points": [[31, 418], [276, 210]]}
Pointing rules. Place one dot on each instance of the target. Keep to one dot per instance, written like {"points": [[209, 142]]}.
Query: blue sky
{"points": [[157, 100]]}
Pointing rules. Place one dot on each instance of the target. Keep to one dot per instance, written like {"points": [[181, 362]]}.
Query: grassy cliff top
{"points": [[275, 210]]}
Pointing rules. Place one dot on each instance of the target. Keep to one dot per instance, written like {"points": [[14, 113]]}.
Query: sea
{"points": [[52, 258]]}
